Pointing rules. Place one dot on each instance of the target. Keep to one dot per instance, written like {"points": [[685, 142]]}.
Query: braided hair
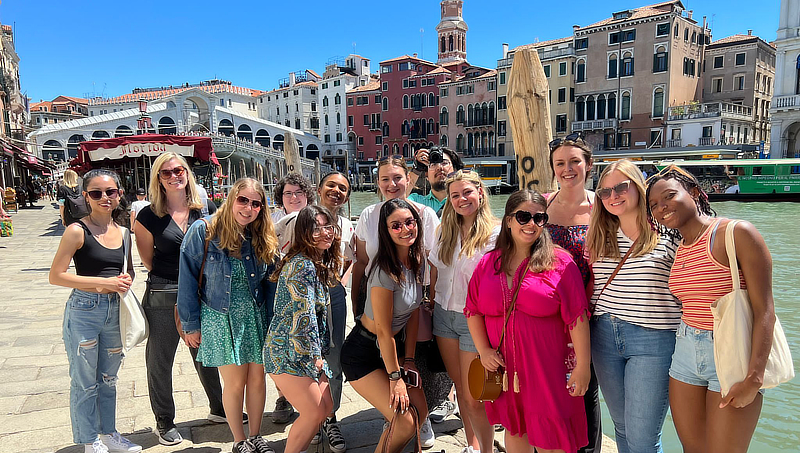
{"points": [[689, 182]]}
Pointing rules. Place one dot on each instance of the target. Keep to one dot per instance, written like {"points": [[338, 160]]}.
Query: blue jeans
{"points": [[94, 349], [334, 356], [632, 365]]}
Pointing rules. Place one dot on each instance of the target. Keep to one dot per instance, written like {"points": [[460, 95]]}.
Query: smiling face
{"points": [[105, 204], [620, 204], [172, 182], [525, 235], [402, 227], [294, 198], [324, 233], [392, 181], [570, 166], [333, 192], [671, 204], [244, 214], [465, 197]]}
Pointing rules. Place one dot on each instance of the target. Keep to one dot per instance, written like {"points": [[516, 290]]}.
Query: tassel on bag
{"points": [[505, 381], [516, 382]]}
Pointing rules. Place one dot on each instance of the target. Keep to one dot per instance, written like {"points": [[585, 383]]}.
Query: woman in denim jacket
{"points": [[225, 301]]}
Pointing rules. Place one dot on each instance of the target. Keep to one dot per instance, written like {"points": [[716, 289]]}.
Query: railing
{"points": [[782, 102], [548, 54], [705, 141], [674, 143], [709, 110], [478, 123], [594, 125], [505, 62], [253, 148]]}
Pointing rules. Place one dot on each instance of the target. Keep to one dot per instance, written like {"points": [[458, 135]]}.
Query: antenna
{"points": [[421, 41], [354, 48]]}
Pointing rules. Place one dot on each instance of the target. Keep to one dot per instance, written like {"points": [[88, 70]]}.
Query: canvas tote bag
{"points": [[733, 334], [133, 326]]}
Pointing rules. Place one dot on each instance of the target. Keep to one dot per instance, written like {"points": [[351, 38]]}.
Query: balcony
{"points": [[479, 123], [594, 125], [674, 143], [705, 141], [710, 110], [786, 102]]}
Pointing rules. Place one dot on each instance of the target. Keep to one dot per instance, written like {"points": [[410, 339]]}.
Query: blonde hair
{"points": [[229, 232], [157, 193], [70, 179], [479, 232], [601, 241]]}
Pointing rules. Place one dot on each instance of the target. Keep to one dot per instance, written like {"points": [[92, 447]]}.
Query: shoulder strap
{"points": [[126, 242], [511, 306], [619, 266], [205, 253], [730, 247], [551, 198]]}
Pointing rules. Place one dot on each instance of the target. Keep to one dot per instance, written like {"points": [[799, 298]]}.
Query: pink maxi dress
{"points": [[535, 347]]}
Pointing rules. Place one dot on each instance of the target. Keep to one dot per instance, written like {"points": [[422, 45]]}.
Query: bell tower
{"points": [[452, 33]]}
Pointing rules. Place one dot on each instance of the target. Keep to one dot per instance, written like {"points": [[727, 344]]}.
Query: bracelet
{"points": [[409, 359]]}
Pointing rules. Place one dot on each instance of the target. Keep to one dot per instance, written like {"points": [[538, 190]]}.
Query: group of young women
{"points": [[566, 291]]}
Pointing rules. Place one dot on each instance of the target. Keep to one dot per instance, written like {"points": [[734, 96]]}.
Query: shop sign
{"points": [[140, 149]]}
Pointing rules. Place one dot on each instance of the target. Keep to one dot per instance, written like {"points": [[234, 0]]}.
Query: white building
{"points": [[340, 76], [785, 107], [294, 103]]}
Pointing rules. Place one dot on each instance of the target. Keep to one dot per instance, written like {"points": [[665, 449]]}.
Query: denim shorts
{"points": [[453, 324], [693, 360]]}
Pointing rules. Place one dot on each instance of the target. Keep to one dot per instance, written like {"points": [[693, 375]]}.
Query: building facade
{"points": [[467, 113], [294, 103], [785, 106], [60, 109], [364, 127], [452, 33]]}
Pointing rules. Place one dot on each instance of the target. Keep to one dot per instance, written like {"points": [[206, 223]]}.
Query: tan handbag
{"points": [[387, 439]]}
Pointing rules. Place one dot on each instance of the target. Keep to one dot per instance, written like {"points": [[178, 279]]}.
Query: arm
{"points": [[579, 380], [303, 335], [71, 241], [422, 157], [383, 308], [434, 278], [188, 277], [360, 266], [144, 244], [490, 358], [756, 264], [61, 212]]}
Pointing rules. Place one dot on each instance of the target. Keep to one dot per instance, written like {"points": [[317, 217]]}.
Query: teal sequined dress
{"points": [[298, 334], [235, 337]]}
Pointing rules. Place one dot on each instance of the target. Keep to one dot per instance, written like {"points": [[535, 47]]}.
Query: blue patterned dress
{"points": [[298, 334]]}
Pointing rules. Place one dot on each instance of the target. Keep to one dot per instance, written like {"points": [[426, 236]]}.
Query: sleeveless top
{"points": [[95, 260], [697, 279], [572, 238]]}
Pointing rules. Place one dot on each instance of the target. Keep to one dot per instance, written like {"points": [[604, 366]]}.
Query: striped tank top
{"points": [[697, 279]]}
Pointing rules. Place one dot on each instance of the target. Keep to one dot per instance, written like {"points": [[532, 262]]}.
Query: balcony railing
{"points": [[674, 143], [478, 123], [594, 125], [705, 141], [783, 102], [709, 110]]}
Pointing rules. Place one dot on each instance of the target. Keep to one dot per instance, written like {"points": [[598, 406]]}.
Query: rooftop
{"points": [[160, 93], [639, 13], [371, 86], [539, 44]]}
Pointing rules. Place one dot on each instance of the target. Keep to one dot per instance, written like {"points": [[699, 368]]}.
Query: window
{"points": [[325, 86], [626, 67], [660, 60], [443, 92], [662, 29], [561, 123], [625, 139], [716, 85], [431, 100], [377, 98], [658, 103], [581, 43], [628, 35], [326, 119], [385, 104], [612, 66], [719, 61], [491, 85], [676, 30], [655, 137], [694, 37], [460, 115], [546, 70], [502, 78], [626, 106], [336, 83], [350, 120], [385, 70], [405, 101], [740, 59], [325, 101], [314, 105], [338, 118], [361, 139], [385, 86], [366, 120], [708, 131], [601, 107], [590, 108], [580, 109], [444, 117], [613, 38], [338, 99], [581, 76], [501, 103], [501, 128], [327, 138], [738, 82], [562, 95], [562, 68], [686, 34], [350, 102], [378, 139]]}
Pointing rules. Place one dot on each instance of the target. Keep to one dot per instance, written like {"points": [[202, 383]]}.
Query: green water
{"points": [[779, 427]]}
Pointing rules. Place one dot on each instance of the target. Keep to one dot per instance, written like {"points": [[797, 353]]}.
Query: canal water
{"points": [[779, 427]]}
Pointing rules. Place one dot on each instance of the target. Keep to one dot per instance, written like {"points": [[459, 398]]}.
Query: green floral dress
{"points": [[298, 334], [235, 337]]}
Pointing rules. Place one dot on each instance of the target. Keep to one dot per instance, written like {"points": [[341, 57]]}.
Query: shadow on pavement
{"points": [[55, 229]]}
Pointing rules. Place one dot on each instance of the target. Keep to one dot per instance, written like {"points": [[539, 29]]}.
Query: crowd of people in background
{"points": [[566, 293]]}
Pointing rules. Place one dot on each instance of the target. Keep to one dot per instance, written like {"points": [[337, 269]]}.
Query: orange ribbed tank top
{"points": [[697, 279]]}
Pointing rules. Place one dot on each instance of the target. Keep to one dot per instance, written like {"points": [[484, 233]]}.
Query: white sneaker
{"points": [[115, 442], [426, 436], [95, 447]]}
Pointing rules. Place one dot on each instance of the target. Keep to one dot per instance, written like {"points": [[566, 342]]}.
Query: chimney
{"points": [[575, 28], [505, 49], [689, 14], [749, 32], [704, 23], [291, 79], [414, 55]]}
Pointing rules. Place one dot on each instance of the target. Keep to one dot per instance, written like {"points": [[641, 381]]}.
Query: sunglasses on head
{"points": [[574, 137], [539, 218], [242, 200], [98, 194], [604, 193], [409, 223], [166, 173], [464, 171], [387, 157]]}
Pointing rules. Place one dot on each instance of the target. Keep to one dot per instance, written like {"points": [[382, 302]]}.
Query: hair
{"points": [[70, 179], [542, 251], [295, 179], [158, 194], [601, 240], [87, 179], [688, 181], [387, 258], [229, 232], [326, 263], [587, 152], [334, 173], [458, 164], [479, 232]]}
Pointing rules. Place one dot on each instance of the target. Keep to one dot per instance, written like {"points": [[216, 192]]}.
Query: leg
{"points": [[312, 400], [451, 355], [591, 403], [159, 358], [609, 365], [730, 429], [519, 444], [256, 395], [476, 410], [109, 360], [209, 378], [688, 405], [374, 387], [234, 377], [339, 312]]}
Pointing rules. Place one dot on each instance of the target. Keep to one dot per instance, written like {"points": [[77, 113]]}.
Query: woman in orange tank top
{"points": [[705, 421]]}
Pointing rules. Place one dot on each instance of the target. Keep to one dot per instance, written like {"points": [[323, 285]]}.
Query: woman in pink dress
{"points": [[541, 407]]}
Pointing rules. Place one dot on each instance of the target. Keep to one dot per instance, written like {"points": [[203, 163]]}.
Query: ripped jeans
{"points": [[94, 348]]}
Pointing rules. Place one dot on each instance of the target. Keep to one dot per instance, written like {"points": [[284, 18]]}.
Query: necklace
{"points": [[703, 228]]}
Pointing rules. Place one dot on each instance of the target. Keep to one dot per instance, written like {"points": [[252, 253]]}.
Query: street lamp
{"points": [[144, 123]]}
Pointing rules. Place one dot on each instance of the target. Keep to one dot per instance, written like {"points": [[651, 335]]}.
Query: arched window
{"points": [[491, 143], [694, 37], [278, 142], [676, 30], [431, 100], [460, 115], [470, 144], [405, 101], [225, 127], [431, 127], [326, 119], [580, 108], [443, 46], [612, 105], [338, 118], [626, 106], [99, 134], [470, 115], [443, 140], [338, 99], [626, 65], [385, 150], [450, 42], [385, 129], [405, 129], [660, 59], [123, 131], [612, 66], [52, 149], [444, 117], [491, 112], [245, 133], [590, 108], [72, 145], [686, 34], [797, 78], [601, 107], [658, 103], [421, 98], [580, 75], [395, 148], [385, 103], [262, 138], [324, 102], [405, 150]]}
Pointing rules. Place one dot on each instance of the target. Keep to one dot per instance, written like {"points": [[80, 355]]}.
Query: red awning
{"points": [[145, 145]]}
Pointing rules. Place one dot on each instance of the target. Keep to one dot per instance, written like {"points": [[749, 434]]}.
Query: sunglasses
{"points": [[244, 201], [574, 137], [98, 194], [166, 174], [621, 189], [326, 229], [409, 223], [393, 157], [539, 218]]}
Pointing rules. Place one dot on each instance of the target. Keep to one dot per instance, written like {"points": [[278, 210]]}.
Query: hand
{"points": [[422, 156], [578, 382], [119, 284], [192, 339], [319, 363], [409, 365], [492, 360], [398, 395], [741, 394]]}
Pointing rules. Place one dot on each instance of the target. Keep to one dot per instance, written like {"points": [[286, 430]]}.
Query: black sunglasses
{"points": [[622, 188], [166, 174], [242, 200], [523, 217], [98, 194], [387, 157], [573, 137]]}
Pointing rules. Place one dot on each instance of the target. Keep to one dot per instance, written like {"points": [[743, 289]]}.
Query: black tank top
{"points": [[95, 260]]}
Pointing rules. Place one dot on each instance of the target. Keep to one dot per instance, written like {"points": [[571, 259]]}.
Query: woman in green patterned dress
{"points": [[299, 334], [225, 263]]}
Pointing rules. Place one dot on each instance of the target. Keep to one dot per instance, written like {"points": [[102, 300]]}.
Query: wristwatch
{"points": [[395, 375]]}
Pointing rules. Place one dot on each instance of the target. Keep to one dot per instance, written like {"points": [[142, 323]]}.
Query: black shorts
{"points": [[361, 354]]}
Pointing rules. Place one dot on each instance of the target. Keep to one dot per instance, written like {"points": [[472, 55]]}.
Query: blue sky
{"points": [[109, 47]]}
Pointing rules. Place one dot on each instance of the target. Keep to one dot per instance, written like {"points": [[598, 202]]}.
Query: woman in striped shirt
{"points": [[705, 420], [635, 315]]}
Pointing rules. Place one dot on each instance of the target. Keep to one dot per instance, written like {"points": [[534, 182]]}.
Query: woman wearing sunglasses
{"points": [[160, 229], [635, 315], [91, 331], [381, 347], [225, 302], [705, 420], [530, 293], [569, 209], [468, 231], [299, 333]]}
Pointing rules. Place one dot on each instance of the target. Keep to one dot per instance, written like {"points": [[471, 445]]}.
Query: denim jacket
{"points": [[216, 289]]}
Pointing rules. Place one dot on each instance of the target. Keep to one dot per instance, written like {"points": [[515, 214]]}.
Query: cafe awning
{"points": [[145, 145]]}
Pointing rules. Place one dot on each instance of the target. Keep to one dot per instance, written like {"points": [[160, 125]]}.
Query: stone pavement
{"points": [[34, 389]]}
